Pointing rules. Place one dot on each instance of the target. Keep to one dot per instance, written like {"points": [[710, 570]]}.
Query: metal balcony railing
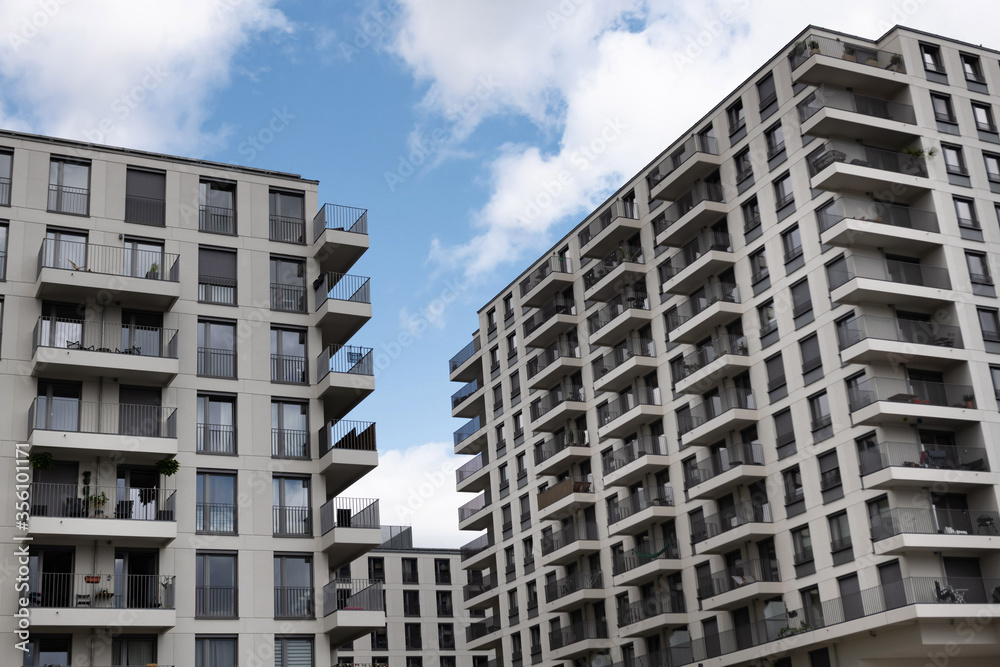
{"points": [[625, 403], [705, 243], [474, 506], [733, 398], [898, 330], [889, 270], [217, 220], [108, 260], [288, 298], [347, 434], [559, 442], [554, 399], [470, 468], [290, 443], [560, 349], [569, 535], [933, 521], [633, 450], [340, 218], [345, 359], [216, 362], [619, 209], [73, 415], [866, 156], [3, 265], [104, 502], [287, 229], [634, 347], [692, 146], [645, 552], [352, 595], [658, 496], [575, 633], [626, 253], [349, 513], [880, 213], [464, 354], [289, 369], [705, 191], [292, 521], [4, 191], [736, 454], [476, 546], [66, 199], [58, 590], [746, 572], [476, 588], [558, 306], [66, 334], [623, 302], [554, 264], [342, 287], [709, 352], [145, 210], [468, 429], [579, 581], [216, 289], [468, 390], [740, 515], [480, 629], [834, 48], [915, 455], [215, 518], [563, 489], [651, 607], [901, 390], [825, 97], [294, 602], [708, 296]]}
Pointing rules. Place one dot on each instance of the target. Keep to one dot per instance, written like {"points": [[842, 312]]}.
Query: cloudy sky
{"points": [[450, 120]]}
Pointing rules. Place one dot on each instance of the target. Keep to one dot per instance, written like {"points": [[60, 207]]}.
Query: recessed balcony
{"points": [[473, 476], [75, 271], [59, 601], [574, 591], [641, 510], [467, 364], [819, 61], [626, 312], [636, 459], [470, 400], [648, 561], [626, 363], [545, 325], [690, 162], [729, 410], [352, 608], [708, 255], [694, 319], [566, 497], [551, 277], [562, 450], [569, 543], [474, 514], [737, 585], [340, 237], [850, 222], [552, 411], [736, 465], [471, 437], [624, 414], [912, 465], [882, 400], [700, 207], [718, 533], [868, 339], [578, 639], [721, 358], [652, 614], [873, 280], [346, 376], [903, 530], [831, 112], [347, 452], [549, 366], [126, 514], [841, 165], [624, 266], [82, 350], [615, 224], [350, 527], [343, 306]]}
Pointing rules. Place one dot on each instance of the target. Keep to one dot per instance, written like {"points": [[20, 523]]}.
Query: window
{"points": [[518, 425], [506, 517], [511, 348], [954, 161], [775, 138], [411, 635], [293, 587], [215, 503], [217, 207], [217, 276], [214, 651], [971, 68], [932, 58], [217, 349], [775, 372], [783, 194], [143, 258], [992, 167], [801, 298], [447, 661], [819, 411], [810, 353], [411, 603], [766, 92], [979, 268], [380, 641], [6, 164], [495, 358], [292, 508], [491, 319], [216, 424], [287, 216], [508, 306], [376, 568], [215, 585], [528, 547], [751, 214], [791, 243], [442, 571], [444, 604], [515, 386], [414, 661], [784, 428], [525, 505], [983, 113], [145, 197], [989, 322], [802, 545], [829, 471], [744, 169], [446, 636], [65, 249], [840, 532], [497, 399], [736, 117], [289, 429], [288, 285], [69, 186], [965, 211], [758, 266], [767, 317], [792, 479], [293, 652], [288, 356], [410, 575], [943, 110], [3, 251]]}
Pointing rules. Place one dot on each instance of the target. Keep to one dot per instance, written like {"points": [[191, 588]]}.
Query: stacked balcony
{"points": [[701, 206], [722, 357], [641, 509], [350, 527], [612, 226], [578, 639], [470, 400], [903, 530], [475, 515], [910, 465], [664, 610], [547, 367], [819, 61], [343, 306], [483, 635], [574, 591], [852, 222], [479, 593], [346, 376], [873, 280], [843, 165], [347, 452], [690, 162], [62, 601], [649, 560], [709, 254], [721, 473], [627, 311], [869, 339], [567, 544], [555, 408], [625, 413], [627, 362], [634, 460], [551, 277], [470, 438], [884, 400], [737, 585], [624, 265], [467, 364], [352, 608], [479, 553], [832, 112], [730, 409], [715, 304], [556, 317], [472, 475], [562, 450], [340, 235], [745, 521], [148, 515], [566, 497]]}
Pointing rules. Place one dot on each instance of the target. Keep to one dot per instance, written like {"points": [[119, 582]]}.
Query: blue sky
{"points": [[446, 119]]}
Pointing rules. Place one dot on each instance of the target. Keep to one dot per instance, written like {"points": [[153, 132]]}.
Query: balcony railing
{"points": [[470, 468], [342, 287], [145, 210], [554, 399], [340, 218], [57, 590], [692, 145], [634, 347], [475, 588], [569, 535], [747, 572], [917, 332], [216, 289], [651, 607], [480, 629], [626, 253], [287, 229], [889, 270], [554, 264], [4, 191], [292, 521], [464, 354], [575, 633], [626, 403], [474, 506], [558, 306], [733, 398], [709, 352], [563, 489], [113, 337], [468, 429], [736, 454], [468, 390], [76, 416], [834, 48], [558, 350], [705, 243], [216, 362], [578, 581], [739, 515], [352, 594], [617, 306], [920, 392], [476, 546], [634, 449], [645, 552], [105, 502], [294, 602], [880, 213], [289, 369], [866, 156], [619, 209], [288, 298], [349, 513], [108, 260], [710, 295], [347, 434], [289, 443], [559, 442], [831, 98], [215, 518], [345, 359], [923, 521], [914, 455], [705, 191], [658, 496], [217, 220], [66, 199]]}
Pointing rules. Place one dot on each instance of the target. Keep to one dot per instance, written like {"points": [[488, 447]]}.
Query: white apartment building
{"points": [[745, 413], [176, 351]]}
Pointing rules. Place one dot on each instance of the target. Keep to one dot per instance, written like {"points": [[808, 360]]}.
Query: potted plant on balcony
{"points": [[849, 53], [813, 47], [896, 62], [97, 502], [41, 460], [167, 467], [970, 400], [103, 594], [154, 271]]}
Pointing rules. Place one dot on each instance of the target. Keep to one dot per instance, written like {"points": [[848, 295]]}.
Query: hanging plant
{"points": [[41, 460], [167, 467]]}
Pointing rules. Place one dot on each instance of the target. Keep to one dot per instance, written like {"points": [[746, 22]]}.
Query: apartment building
{"points": [[745, 413], [177, 352], [425, 623]]}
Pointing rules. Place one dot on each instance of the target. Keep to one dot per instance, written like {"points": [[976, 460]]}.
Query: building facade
{"points": [[745, 413], [178, 382], [425, 621]]}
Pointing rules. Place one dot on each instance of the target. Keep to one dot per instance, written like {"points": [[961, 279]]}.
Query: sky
{"points": [[475, 132]]}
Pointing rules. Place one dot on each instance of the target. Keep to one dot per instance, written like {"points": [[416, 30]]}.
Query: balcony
{"points": [[569, 543], [829, 112], [474, 514], [578, 639], [469, 401], [694, 319], [729, 410], [852, 222], [545, 325], [640, 510], [616, 224], [549, 366], [75, 271], [466, 365], [470, 476], [84, 350], [340, 236], [343, 305], [4, 191], [474, 591], [625, 312], [286, 443], [882, 400], [98, 512], [471, 437], [904, 530], [562, 450], [619, 368], [478, 553], [820, 61], [289, 369], [721, 473], [841, 165], [702, 206], [147, 432], [565, 497], [547, 280], [554, 409], [481, 635], [350, 527], [649, 560], [68, 199], [352, 608], [287, 229], [737, 585], [708, 255], [636, 459], [625, 265], [294, 602], [292, 521], [574, 591], [911, 465], [217, 220], [626, 413], [745, 521], [347, 452], [868, 339], [346, 376], [690, 162], [60, 601], [651, 614], [721, 358], [872, 280]]}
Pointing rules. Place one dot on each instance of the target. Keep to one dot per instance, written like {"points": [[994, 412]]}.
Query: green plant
{"points": [[167, 467], [41, 460], [896, 59], [920, 152], [98, 500], [154, 267], [813, 45]]}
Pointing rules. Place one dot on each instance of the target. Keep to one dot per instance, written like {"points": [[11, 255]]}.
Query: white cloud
{"points": [[574, 66], [137, 74], [416, 486]]}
